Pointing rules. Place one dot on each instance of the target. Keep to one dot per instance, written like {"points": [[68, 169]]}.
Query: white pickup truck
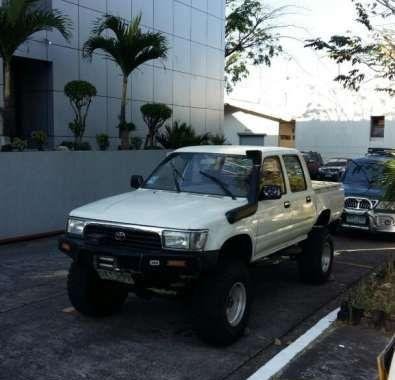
{"points": [[196, 224]]}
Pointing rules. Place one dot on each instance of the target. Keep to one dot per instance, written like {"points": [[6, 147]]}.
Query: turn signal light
{"points": [[176, 263], [66, 247]]}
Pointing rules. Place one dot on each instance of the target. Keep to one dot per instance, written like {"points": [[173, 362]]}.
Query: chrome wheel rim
{"points": [[236, 304], [326, 258]]}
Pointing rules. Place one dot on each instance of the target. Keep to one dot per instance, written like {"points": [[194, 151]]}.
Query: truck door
{"points": [[272, 216], [300, 200]]}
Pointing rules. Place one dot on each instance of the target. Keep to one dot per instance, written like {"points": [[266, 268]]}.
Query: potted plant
{"points": [[103, 141], [154, 116], [136, 143], [39, 139], [19, 144], [80, 94]]}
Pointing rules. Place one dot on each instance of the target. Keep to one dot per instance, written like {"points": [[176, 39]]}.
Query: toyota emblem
{"points": [[120, 236]]}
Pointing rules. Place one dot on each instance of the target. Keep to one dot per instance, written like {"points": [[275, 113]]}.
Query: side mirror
{"points": [[136, 181], [270, 192]]}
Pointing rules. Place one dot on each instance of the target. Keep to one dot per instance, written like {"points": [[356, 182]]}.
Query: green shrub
{"points": [[103, 141], [68, 144], [19, 144], [388, 180], [180, 135], [83, 146], [73, 146], [155, 116], [217, 139], [126, 126], [80, 94], [136, 142], [39, 139], [155, 147]]}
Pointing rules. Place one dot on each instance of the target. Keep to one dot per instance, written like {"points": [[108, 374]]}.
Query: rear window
{"points": [[297, 180]]}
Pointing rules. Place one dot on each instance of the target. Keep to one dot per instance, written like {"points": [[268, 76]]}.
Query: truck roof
{"points": [[235, 149]]}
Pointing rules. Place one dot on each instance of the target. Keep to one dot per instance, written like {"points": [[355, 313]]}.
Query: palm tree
{"points": [[19, 19], [128, 47]]}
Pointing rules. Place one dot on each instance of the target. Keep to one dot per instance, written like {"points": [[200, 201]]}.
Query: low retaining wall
{"points": [[39, 189]]}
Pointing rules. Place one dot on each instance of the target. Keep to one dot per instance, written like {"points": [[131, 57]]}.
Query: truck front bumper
{"points": [[368, 221], [140, 264]]}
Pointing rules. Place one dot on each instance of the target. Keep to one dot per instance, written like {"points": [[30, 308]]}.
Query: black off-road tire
{"points": [[316, 248], [92, 296], [211, 300]]}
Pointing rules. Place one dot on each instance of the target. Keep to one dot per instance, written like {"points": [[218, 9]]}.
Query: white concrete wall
{"points": [[243, 122], [39, 189], [341, 138], [190, 81]]}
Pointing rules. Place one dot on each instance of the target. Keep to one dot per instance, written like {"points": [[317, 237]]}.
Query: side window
{"points": [[294, 168], [272, 173]]}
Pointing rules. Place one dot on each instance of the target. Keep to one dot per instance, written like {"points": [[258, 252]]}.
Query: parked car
{"points": [[333, 170], [195, 225], [314, 161], [364, 207]]}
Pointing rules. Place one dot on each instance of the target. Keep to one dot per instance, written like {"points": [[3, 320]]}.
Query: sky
{"points": [[299, 84]]}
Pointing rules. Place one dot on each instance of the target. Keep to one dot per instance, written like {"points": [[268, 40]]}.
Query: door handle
{"points": [[287, 204], [308, 199]]}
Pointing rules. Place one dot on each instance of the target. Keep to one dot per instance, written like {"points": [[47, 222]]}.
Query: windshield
{"points": [[203, 173], [336, 163], [368, 174]]}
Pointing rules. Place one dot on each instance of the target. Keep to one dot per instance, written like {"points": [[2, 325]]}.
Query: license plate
{"points": [[108, 275], [356, 219]]}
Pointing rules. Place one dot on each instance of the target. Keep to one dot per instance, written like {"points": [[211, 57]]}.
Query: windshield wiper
{"points": [[176, 174], [219, 183]]}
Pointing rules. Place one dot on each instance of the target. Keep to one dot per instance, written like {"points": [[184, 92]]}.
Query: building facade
{"points": [[350, 139], [190, 80]]}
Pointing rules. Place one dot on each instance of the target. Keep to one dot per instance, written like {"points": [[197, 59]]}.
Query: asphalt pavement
{"points": [[42, 337]]}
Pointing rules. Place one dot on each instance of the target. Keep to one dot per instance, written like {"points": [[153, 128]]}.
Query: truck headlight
{"points": [[187, 240], [76, 226]]}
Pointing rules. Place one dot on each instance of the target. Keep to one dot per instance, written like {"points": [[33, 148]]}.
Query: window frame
{"points": [[306, 187], [374, 121], [282, 171]]}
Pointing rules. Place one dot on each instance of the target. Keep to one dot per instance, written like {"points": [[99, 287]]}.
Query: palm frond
{"points": [[19, 19], [47, 20], [129, 47], [108, 22], [388, 180], [108, 45], [150, 46]]}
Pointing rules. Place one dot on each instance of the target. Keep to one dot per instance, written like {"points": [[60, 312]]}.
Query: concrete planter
{"points": [[38, 189]]}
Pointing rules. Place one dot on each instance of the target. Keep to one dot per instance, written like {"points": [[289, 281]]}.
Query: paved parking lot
{"points": [[42, 338]]}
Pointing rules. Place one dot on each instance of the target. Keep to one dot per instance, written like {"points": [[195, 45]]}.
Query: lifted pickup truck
{"points": [[195, 225]]}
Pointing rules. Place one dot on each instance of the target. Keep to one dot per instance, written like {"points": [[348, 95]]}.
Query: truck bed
{"points": [[330, 196], [324, 186]]}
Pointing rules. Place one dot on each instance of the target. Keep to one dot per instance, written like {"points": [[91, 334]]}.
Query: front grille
{"points": [[364, 204], [351, 203], [122, 237], [360, 203]]}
